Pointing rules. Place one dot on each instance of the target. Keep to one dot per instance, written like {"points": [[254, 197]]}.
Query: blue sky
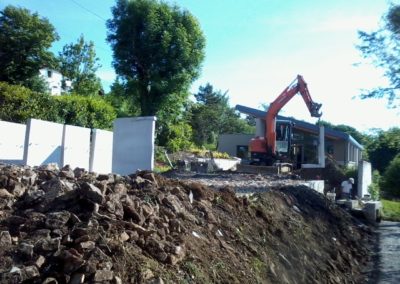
{"points": [[256, 48]]}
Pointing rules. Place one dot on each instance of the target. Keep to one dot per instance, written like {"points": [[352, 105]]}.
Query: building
{"points": [[340, 146], [56, 82]]}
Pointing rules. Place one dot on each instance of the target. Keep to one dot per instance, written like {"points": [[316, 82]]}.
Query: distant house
{"points": [[56, 82], [341, 146]]}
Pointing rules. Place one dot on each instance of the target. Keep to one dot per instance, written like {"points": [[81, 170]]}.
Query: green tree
{"points": [[78, 62], [391, 177], [158, 49], [24, 42], [383, 148], [383, 48], [212, 115], [360, 137]]}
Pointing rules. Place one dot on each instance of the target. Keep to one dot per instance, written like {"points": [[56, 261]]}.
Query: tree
{"points": [[78, 62], [391, 177], [361, 138], [383, 148], [24, 42], [212, 115], [158, 49], [383, 48]]}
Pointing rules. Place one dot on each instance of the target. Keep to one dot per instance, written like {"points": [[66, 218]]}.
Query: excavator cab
{"points": [[282, 147]]}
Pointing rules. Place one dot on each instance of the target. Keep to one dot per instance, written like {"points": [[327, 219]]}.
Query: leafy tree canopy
{"points": [[212, 115], [383, 48], [24, 42], [158, 48], [78, 62], [383, 148]]}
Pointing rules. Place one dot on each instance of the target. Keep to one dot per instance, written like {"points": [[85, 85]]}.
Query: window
{"points": [[49, 73]]}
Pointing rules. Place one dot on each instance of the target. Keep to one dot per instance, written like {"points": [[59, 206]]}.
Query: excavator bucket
{"points": [[314, 111]]}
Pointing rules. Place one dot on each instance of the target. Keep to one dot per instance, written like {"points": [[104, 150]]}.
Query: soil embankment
{"points": [[71, 226]]}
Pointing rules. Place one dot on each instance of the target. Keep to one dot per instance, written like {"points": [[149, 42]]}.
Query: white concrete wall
{"points": [[12, 140], [43, 143], [76, 146], [133, 144], [101, 151], [364, 178]]}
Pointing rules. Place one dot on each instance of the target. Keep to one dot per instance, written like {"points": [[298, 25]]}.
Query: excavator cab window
{"points": [[283, 136]]}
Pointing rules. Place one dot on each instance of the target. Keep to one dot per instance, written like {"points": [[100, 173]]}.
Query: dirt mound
{"points": [[71, 226]]}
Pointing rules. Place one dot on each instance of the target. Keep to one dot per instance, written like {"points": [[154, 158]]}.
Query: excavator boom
{"points": [[297, 86]]}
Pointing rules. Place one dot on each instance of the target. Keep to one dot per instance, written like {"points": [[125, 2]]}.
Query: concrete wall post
{"points": [[133, 144]]}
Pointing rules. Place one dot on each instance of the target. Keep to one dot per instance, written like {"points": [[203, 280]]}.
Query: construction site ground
{"points": [[71, 226]]}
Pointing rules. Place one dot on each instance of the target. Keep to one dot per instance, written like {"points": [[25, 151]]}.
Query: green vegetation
{"points": [[391, 210], [158, 48], [382, 48], [78, 62], [391, 178], [24, 42], [374, 188], [18, 104]]}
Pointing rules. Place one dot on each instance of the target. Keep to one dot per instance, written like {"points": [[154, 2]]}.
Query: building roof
{"points": [[298, 124]]}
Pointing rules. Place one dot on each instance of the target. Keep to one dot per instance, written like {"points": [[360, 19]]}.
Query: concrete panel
{"points": [[76, 146], [12, 140], [133, 144], [101, 151], [43, 143], [228, 142], [364, 178]]}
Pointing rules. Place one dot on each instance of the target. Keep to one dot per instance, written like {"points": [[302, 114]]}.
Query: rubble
{"points": [[72, 226]]}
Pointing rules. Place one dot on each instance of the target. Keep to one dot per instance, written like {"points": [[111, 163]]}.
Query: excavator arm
{"points": [[297, 86]]}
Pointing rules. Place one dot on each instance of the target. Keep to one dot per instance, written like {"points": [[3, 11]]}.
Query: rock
{"points": [[47, 245], [5, 194], [29, 272], [88, 245], [72, 260], [123, 237], [40, 261], [157, 280], [91, 192], [5, 239], [57, 219], [103, 275], [117, 280], [50, 280], [25, 250], [77, 278]]}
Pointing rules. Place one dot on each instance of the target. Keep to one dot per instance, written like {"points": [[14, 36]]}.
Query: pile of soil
{"points": [[71, 226]]}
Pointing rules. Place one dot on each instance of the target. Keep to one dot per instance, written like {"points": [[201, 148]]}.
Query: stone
{"points": [[124, 237], [56, 220], [5, 194], [40, 261], [50, 280], [48, 245], [72, 260], [25, 250], [29, 272], [88, 245], [103, 275], [117, 280], [77, 278], [91, 192], [5, 239]]}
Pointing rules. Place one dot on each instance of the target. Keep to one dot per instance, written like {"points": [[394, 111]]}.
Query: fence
{"points": [[42, 142]]}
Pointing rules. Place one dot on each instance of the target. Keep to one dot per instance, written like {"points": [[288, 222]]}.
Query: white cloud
{"points": [[107, 75]]}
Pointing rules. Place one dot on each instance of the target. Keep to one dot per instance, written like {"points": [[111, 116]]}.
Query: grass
{"points": [[391, 210]]}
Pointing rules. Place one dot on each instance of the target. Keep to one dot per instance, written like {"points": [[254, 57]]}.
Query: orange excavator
{"points": [[277, 141]]}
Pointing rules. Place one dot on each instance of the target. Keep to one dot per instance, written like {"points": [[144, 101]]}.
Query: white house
{"points": [[54, 80]]}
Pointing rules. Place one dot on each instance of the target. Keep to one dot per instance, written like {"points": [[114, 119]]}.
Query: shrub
{"points": [[374, 187], [18, 104], [179, 137], [92, 112], [391, 177]]}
